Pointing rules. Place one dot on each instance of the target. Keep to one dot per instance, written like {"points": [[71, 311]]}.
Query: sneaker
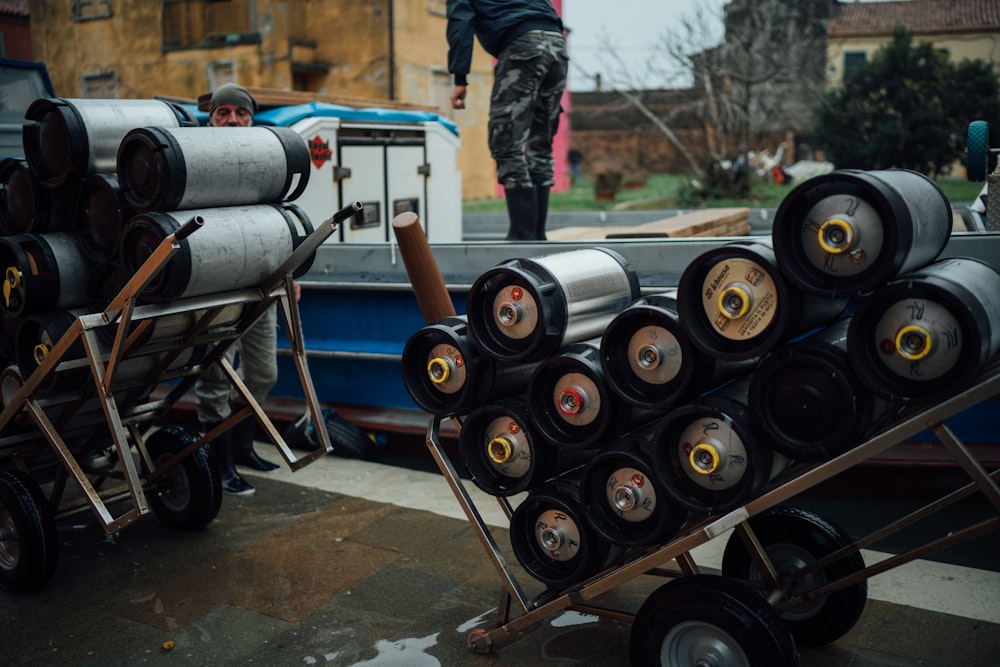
{"points": [[237, 486]]}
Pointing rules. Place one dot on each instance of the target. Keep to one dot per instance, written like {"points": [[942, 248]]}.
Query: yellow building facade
{"points": [[384, 50]]}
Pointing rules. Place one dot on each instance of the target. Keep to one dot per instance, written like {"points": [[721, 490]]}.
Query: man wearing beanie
{"points": [[234, 106]]}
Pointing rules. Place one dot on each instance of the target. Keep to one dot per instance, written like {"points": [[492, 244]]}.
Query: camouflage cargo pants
{"points": [[528, 83]]}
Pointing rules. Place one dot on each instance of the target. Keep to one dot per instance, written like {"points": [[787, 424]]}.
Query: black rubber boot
{"points": [[541, 210], [243, 451], [222, 452], [522, 211]]}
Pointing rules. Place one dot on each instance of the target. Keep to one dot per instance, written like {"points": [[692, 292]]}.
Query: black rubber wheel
{"points": [[977, 151], [189, 495], [347, 439], [793, 538], [28, 541], [706, 619]]}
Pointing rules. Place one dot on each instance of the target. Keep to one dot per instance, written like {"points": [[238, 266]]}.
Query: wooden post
{"points": [[428, 285]]}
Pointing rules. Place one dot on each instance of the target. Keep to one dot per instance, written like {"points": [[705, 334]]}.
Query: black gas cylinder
{"points": [[624, 500], [553, 541], [847, 232], [102, 213], [926, 335], [649, 361], [734, 302], [572, 404], [446, 373], [809, 402], [710, 456], [505, 454]]}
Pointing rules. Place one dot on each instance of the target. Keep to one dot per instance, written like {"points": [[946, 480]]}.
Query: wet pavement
{"points": [[348, 563]]}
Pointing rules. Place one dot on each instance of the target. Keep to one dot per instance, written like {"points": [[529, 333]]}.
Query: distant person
{"points": [[575, 160], [234, 106], [526, 38]]}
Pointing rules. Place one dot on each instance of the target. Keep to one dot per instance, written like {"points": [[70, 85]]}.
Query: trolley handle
{"points": [[189, 228], [348, 211]]}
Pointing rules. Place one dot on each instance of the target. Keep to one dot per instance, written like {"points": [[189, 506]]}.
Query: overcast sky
{"points": [[633, 26]]}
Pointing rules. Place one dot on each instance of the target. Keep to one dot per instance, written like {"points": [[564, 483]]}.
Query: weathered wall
{"points": [[381, 49]]}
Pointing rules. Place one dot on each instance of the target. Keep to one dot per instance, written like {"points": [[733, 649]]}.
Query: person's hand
{"points": [[297, 288], [458, 97]]}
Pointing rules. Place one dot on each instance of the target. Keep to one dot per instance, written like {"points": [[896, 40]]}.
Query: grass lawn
{"points": [[663, 191]]}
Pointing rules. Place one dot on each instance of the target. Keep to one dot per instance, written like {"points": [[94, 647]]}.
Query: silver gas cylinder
{"points": [[174, 168], [237, 247], [68, 138], [43, 272], [525, 309]]}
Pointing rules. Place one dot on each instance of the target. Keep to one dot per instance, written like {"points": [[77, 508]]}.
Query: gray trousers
{"points": [[258, 366], [528, 83]]}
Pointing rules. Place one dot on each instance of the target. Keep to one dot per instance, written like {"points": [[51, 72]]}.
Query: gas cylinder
{"points": [[734, 303], [237, 247], [847, 232], [526, 309], [28, 207], [926, 335], [504, 453], [808, 401], [38, 334], [551, 539], [446, 373], [649, 361], [43, 272], [710, 456], [571, 403], [11, 382], [35, 337], [102, 213], [65, 139], [175, 168], [624, 501]]}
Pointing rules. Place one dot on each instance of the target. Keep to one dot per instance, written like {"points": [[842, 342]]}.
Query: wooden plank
{"points": [[270, 97], [735, 228], [706, 222]]}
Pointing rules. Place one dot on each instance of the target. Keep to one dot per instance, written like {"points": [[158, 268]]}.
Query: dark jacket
{"points": [[496, 23]]}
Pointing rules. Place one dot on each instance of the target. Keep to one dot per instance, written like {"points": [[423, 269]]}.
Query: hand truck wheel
{"points": [[28, 541]]}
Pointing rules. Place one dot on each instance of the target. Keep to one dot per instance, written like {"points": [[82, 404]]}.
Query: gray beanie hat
{"points": [[230, 93]]}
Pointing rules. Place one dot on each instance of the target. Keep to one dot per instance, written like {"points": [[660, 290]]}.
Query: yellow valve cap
{"points": [[836, 236], [500, 450], [734, 302], [12, 280], [41, 351], [913, 342], [439, 370], [704, 459]]}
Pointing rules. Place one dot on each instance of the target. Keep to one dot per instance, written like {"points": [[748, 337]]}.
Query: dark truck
{"points": [[21, 83]]}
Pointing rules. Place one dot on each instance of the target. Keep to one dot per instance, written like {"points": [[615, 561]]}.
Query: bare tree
{"points": [[756, 65]]}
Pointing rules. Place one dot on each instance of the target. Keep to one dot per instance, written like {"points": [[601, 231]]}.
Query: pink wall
{"points": [[560, 144]]}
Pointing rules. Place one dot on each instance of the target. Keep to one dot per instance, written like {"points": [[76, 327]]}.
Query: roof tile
{"points": [[917, 16]]}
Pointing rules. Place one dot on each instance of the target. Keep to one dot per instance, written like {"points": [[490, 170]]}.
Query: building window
{"points": [[220, 72], [99, 85], [84, 10], [853, 60]]}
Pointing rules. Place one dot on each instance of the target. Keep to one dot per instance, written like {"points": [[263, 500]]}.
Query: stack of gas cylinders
{"points": [[102, 183], [622, 416]]}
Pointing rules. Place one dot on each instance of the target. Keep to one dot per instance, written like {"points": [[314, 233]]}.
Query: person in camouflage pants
{"points": [[526, 37]]}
